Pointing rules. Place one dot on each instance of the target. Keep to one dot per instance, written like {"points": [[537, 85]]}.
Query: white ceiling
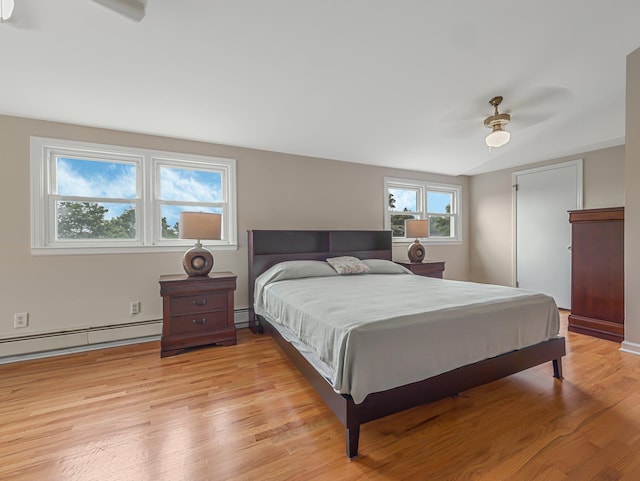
{"points": [[402, 83]]}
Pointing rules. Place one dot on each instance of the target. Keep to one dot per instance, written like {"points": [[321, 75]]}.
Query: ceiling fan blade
{"points": [[459, 128], [522, 121], [133, 9], [544, 102], [461, 121], [541, 97]]}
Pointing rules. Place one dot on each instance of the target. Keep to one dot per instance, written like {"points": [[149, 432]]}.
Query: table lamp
{"points": [[416, 228], [198, 261]]}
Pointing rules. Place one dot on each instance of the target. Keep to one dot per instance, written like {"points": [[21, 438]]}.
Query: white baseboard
{"points": [[38, 346], [630, 347]]}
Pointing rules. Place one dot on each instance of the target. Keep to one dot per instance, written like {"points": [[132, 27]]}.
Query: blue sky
{"points": [[191, 186], [86, 178], [406, 198]]}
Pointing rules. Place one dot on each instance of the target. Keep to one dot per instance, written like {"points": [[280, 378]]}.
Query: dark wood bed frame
{"points": [[269, 247]]}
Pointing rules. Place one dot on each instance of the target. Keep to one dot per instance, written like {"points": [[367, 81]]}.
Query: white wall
{"points": [[632, 207], [275, 191]]}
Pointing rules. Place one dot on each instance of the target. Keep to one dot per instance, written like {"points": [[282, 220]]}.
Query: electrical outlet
{"points": [[134, 307], [20, 320]]}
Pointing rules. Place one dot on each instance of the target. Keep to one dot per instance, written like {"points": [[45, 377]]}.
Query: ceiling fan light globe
{"points": [[6, 9], [497, 138]]}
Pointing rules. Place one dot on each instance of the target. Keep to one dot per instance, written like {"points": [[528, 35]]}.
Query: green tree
{"points": [[397, 223], [123, 226], [86, 220], [80, 220], [397, 220], [169, 232], [440, 225]]}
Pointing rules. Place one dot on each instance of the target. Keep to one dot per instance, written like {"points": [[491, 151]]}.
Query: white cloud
{"points": [[92, 180], [190, 185], [404, 198]]}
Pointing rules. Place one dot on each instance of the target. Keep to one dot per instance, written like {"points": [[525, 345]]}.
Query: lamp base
{"points": [[197, 261], [416, 252]]}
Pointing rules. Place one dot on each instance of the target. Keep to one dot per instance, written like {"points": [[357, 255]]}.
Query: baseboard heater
{"points": [[66, 341], [78, 339]]}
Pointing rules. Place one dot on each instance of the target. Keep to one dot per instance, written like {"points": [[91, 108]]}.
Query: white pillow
{"points": [[382, 266], [348, 265]]}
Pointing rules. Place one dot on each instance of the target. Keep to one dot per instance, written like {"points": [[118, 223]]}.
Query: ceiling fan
{"points": [[133, 9], [534, 104], [498, 136]]}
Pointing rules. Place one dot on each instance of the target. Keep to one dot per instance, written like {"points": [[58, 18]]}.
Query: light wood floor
{"points": [[245, 413]]}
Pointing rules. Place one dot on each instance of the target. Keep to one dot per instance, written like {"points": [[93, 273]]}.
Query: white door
{"points": [[543, 233]]}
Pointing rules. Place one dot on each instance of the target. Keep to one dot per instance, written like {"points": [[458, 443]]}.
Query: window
{"points": [[409, 199], [90, 198]]}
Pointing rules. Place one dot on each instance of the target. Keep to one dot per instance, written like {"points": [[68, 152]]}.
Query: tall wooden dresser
{"points": [[597, 272]]}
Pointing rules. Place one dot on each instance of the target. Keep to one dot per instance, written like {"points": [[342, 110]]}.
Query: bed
{"points": [[358, 387]]}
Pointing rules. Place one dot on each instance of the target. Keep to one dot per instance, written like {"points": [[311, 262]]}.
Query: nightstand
{"points": [[197, 311], [425, 268]]}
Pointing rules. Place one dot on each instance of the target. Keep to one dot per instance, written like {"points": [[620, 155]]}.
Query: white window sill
{"points": [[428, 242], [66, 251]]}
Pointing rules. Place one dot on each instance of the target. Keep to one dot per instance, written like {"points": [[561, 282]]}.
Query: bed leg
{"points": [[256, 325], [557, 368], [353, 435]]}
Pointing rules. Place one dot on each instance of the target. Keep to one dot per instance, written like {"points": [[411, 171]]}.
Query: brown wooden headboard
{"points": [[269, 247]]}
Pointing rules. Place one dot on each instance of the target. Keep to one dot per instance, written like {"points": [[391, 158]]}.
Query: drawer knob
{"points": [[200, 303], [203, 321]]}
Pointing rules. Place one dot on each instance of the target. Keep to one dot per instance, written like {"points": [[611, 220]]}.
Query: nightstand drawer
{"points": [[198, 323], [426, 268], [205, 302]]}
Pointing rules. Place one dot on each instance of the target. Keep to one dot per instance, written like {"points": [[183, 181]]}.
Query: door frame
{"points": [[578, 163]]}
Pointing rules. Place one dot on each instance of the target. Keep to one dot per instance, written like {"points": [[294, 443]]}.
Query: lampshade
{"points": [[497, 138], [6, 9], [416, 228], [200, 225]]}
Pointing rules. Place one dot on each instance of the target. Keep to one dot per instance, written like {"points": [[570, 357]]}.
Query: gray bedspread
{"points": [[374, 332]]}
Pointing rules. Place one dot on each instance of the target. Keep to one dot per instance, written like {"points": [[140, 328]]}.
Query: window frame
{"points": [[190, 164], [424, 187], [45, 151]]}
